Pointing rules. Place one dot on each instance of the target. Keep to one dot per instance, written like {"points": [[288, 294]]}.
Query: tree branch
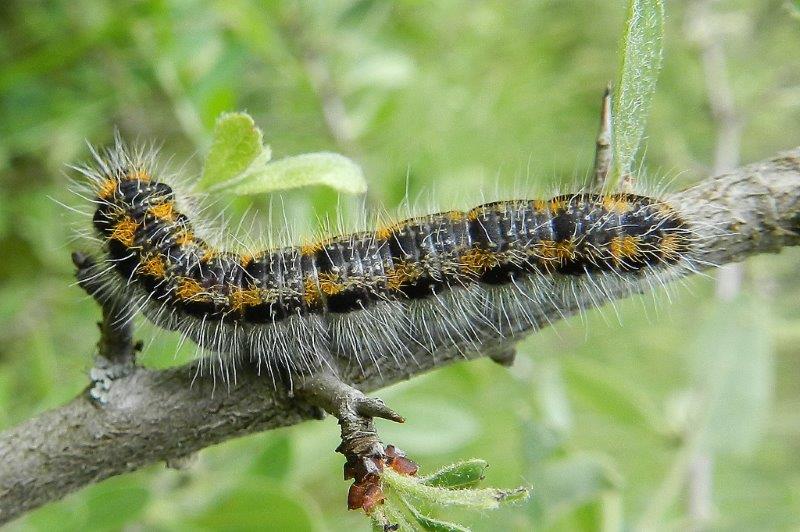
{"points": [[151, 416]]}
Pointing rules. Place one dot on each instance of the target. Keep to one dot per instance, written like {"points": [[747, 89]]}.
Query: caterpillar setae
{"points": [[449, 280]]}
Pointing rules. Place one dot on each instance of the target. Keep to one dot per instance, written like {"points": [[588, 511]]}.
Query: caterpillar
{"points": [[454, 279]]}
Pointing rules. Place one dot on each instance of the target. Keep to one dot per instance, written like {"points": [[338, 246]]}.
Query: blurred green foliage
{"points": [[601, 418]]}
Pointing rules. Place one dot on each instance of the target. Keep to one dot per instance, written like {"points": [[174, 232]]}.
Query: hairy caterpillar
{"points": [[455, 279]]}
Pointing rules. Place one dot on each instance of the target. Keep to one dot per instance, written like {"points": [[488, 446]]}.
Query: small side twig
{"points": [[116, 349], [504, 355], [364, 453], [116, 331], [604, 154]]}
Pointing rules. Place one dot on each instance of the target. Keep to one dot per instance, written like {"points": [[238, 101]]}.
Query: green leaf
{"points": [[477, 499], [450, 486], [323, 168], [239, 163], [640, 61], [434, 525], [237, 147], [459, 475], [387, 515]]}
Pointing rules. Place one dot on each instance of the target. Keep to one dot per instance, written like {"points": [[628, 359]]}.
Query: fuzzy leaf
{"points": [[434, 525], [238, 145], [387, 515], [323, 168], [459, 475], [239, 163], [477, 499], [640, 62]]}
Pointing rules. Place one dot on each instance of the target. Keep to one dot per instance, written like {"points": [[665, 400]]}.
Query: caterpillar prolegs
{"points": [[454, 279]]}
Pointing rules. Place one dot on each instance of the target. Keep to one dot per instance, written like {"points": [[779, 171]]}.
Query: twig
{"points": [[604, 154], [116, 350], [361, 445], [116, 331], [153, 416]]}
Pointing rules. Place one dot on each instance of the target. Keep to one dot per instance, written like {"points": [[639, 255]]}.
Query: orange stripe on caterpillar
{"points": [[239, 299], [163, 211], [623, 247], [124, 231], [190, 290], [107, 188], [154, 267]]}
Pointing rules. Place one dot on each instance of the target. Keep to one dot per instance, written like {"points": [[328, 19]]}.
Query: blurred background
{"points": [[671, 412]]}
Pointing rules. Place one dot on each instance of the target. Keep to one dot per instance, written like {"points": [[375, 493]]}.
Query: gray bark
{"points": [[153, 416]]}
